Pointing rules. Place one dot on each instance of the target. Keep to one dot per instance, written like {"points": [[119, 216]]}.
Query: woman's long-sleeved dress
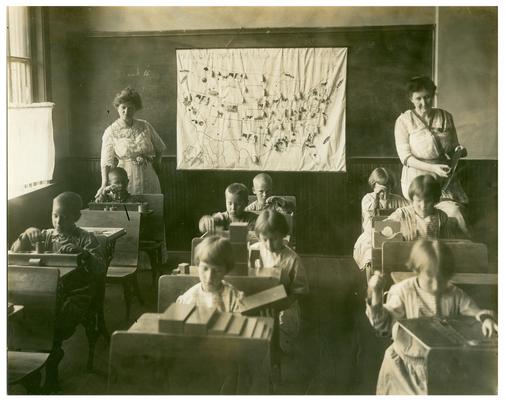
{"points": [[135, 147]]}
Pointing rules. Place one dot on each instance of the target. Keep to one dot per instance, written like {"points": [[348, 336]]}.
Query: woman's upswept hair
{"points": [[128, 95], [432, 252], [419, 83]]}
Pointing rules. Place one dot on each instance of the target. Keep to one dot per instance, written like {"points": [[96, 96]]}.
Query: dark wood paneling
{"points": [[328, 204]]}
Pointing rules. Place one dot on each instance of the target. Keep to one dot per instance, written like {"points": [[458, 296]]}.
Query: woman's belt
{"points": [[139, 160]]}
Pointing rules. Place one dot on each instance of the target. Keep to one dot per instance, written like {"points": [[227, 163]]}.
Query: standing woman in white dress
{"points": [[134, 143], [426, 139]]}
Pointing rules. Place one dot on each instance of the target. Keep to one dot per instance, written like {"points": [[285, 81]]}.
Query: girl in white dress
{"points": [[427, 294]]}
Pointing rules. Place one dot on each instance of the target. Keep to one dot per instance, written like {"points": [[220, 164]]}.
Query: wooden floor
{"points": [[324, 362]]}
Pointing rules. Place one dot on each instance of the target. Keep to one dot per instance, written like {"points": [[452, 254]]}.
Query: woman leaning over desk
{"points": [[136, 145], [426, 140]]}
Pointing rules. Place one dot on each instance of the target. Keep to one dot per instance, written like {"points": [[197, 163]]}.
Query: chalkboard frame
{"points": [[361, 139]]}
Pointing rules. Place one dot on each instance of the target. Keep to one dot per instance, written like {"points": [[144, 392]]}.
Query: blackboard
{"points": [[380, 60]]}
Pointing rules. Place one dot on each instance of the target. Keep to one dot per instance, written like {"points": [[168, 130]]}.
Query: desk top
{"points": [[447, 333], [252, 272], [107, 233], [460, 278]]}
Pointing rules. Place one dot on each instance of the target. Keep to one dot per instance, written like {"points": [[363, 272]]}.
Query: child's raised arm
{"points": [[382, 317]]}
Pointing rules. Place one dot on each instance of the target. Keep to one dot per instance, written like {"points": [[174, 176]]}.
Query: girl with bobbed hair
{"points": [[426, 139], [429, 293], [271, 228], [134, 143], [421, 219], [381, 182]]}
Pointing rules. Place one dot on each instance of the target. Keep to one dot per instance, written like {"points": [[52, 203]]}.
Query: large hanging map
{"points": [[261, 109]]}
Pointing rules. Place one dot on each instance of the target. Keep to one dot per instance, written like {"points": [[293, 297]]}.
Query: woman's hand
{"points": [[100, 191], [489, 327], [440, 170], [32, 234]]}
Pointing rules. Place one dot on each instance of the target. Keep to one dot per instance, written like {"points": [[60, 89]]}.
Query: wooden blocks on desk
{"points": [[238, 232], [173, 319], [266, 299], [199, 320], [190, 320], [221, 324], [241, 255]]}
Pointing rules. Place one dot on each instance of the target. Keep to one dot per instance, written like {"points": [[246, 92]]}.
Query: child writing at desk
{"points": [[381, 198], [214, 257], [262, 188], [117, 189], [76, 289], [427, 294], [271, 228], [236, 199]]}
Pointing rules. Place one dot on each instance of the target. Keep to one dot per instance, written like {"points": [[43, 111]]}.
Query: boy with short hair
{"points": [[77, 288], [236, 199], [262, 188], [117, 189]]}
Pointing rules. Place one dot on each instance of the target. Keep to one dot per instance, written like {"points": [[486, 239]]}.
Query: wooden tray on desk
{"points": [[43, 259]]}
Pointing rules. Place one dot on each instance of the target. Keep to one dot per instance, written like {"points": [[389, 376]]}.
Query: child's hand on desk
{"points": [[275, 201], [32, 234], [206, 224], [489, 327], [70, 248], [100, 192]]}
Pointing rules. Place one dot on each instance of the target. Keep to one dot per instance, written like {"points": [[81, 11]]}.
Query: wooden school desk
{"points": [[30, 334], [145, 361], [460, 278], [458, 358]]}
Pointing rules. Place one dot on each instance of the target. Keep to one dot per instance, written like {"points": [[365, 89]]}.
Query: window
{"points": [[30, 126]]}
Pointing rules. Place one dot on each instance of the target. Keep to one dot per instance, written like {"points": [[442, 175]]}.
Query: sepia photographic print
{"points": [[241, 200]]}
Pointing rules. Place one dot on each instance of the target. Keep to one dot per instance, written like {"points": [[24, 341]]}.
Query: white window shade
{"points": [[30, 147]]}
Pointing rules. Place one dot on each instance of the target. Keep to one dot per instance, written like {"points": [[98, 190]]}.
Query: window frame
{"points": [[38, 34]]}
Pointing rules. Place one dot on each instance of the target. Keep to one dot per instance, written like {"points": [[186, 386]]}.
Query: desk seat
{"points": [[22, 364]]}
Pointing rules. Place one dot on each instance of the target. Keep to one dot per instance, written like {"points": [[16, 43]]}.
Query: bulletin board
{"points": [[268, 109]]}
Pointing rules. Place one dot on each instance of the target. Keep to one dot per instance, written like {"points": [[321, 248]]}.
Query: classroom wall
{"points": [[125, 19], [467, 75], [327, 197]]}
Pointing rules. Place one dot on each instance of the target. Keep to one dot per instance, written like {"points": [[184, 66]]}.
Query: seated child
{"points": [[214, 257], [427, 294], [77, 288], [236, 199], [117, 189], [381, 182], [262, 188], [271, 227], [421, 219]]}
